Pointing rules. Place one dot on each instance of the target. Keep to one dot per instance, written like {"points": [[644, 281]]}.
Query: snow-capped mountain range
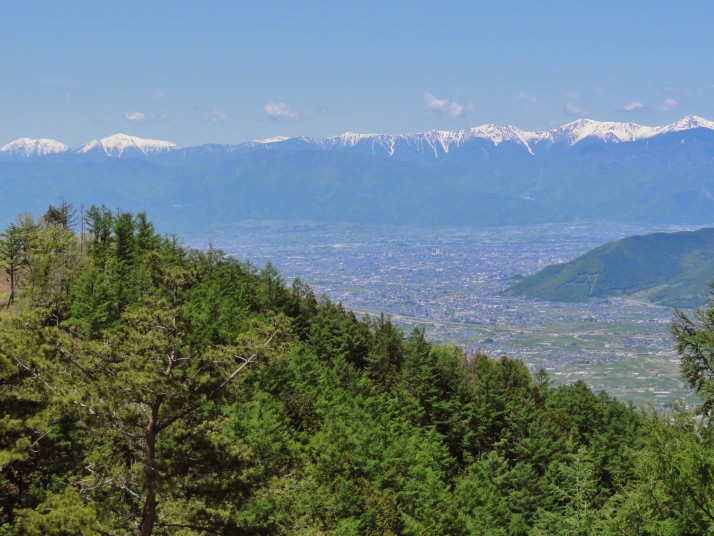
{"points": [[437, 142], [114, 146], [441, 141], [487, 175]]}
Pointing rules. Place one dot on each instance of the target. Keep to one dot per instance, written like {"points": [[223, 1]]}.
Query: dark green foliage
{"points": [[222, 300], [146, 238], [386, 357], [63, 216], [335, 334], [129, 406], [99, 222], [94, 303], [695, 343], [12, 257]]}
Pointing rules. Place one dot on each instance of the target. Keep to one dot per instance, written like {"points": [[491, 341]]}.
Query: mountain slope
{"points": [[28, 147], [671, 269], [119, 144], [434, 143], [488, 175]]}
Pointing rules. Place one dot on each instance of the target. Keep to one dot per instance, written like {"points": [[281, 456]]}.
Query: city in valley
{"points": [[449, 281]]}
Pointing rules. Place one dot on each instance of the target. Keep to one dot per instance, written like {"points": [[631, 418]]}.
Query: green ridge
{"points": [[670, 269]]}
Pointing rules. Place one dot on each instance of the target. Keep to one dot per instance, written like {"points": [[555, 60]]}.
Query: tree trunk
{"points": [[11, 273], [148, 516]]}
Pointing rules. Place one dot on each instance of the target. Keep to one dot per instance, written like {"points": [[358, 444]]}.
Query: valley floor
{"points": [[449, 281]]}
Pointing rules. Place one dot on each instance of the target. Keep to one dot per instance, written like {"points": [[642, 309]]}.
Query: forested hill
{"points": [[150, 389], [671, 269]]}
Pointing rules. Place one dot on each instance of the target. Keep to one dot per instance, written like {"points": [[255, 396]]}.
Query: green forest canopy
{"points": [[148, 388]]}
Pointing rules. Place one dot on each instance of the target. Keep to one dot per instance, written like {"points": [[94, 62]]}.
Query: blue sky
{"points": [[198, 72]]}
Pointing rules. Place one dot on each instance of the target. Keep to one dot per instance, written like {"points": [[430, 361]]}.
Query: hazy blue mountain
{"points": [[672, 269], [488, 175]]}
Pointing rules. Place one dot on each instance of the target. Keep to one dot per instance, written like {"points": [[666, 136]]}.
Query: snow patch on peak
{"points": [[117, 144], [578, 130], [375, 142], [500, 133], [440, 142], [686, 123], [275, 139], [445, 140], [28, 147], [608, 131], [350, 139]]}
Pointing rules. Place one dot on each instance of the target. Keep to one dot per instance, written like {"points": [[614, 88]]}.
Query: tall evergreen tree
{"points": [[12, 258]]}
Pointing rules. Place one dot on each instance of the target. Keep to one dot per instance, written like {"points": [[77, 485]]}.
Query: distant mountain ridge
{"points": [[28, 147], [117, 144], [441, 141], [671, 269], [488, 175], [433, 141]]}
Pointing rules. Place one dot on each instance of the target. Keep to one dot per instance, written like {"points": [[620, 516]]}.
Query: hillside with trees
{"points": [[670, 269], [151, 389]]}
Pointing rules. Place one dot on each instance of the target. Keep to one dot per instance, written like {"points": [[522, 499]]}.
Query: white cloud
{"points": [[436, 104], [215, 116], [669, 104], [280, 110], [456, 109], [575, 110], [160, 94], [633, 106], [445, 106], [138, 118]]}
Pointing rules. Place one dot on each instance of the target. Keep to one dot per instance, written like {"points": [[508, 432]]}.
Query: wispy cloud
{"points": [[141, 118], [575, 110], [456, 109], [138, 118], [434, 103], [215, 116], [280, 110], [446, 106], [632, 106], [160, 94], [669, 104]]}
